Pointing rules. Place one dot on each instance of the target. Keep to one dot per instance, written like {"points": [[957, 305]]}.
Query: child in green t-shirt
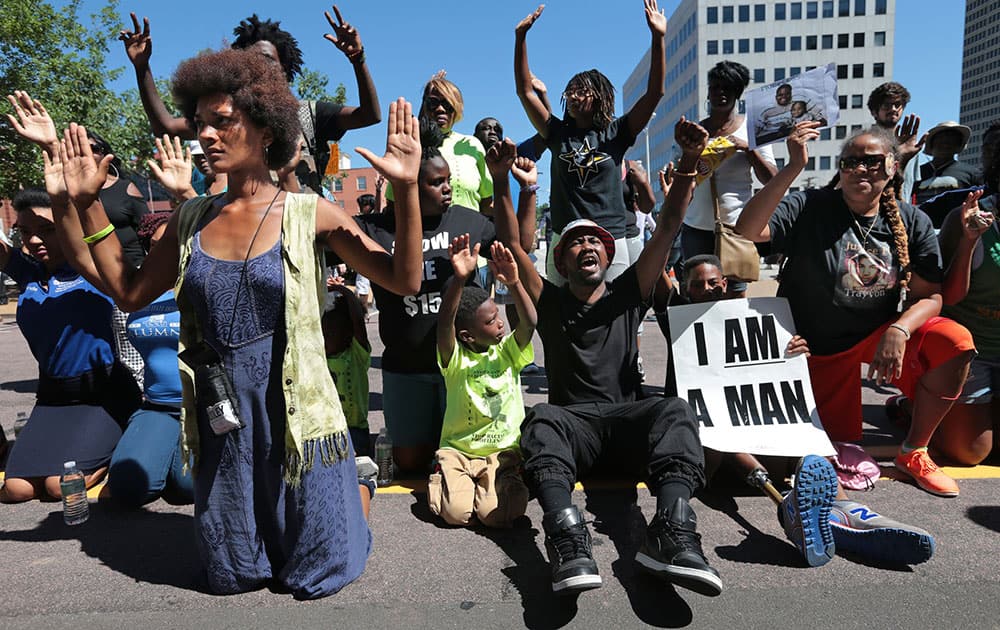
{"points": [[478, 461]]}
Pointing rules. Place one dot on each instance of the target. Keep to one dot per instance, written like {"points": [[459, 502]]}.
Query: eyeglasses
{"points": [[869, 162], [433, 102], [578, 92], [890, 105]]}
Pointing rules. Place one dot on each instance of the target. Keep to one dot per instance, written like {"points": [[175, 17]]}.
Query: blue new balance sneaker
{"points": [[805, 511], [859, 530]]}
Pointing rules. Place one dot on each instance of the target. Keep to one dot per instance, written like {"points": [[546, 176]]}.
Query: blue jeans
{"points": [[147, 461]]}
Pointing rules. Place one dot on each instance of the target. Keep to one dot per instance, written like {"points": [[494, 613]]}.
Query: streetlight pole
{"points": [[649, 166]]}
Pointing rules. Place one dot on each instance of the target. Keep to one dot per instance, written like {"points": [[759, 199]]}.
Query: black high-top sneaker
{"points": [[672, 551], [567, 541]]}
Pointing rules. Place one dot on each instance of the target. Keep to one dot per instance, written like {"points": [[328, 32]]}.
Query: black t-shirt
{"points": [[629, 194], [408, 324], [590, 350], [841, 279], [586, 173], [929, 188], [125, 212]]}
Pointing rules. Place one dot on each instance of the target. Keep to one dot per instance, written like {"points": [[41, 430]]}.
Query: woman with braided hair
{"points": [[891, 322]]}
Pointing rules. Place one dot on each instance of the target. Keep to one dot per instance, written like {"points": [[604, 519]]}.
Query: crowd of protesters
{"points": [[207, 355]]}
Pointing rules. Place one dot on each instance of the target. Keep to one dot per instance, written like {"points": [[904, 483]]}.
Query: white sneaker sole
{"points": [[578, 583], [703, 582]]}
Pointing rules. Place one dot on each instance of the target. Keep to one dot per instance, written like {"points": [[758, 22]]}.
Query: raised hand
{"points": [[804, 131], [974, 220], [690, 137], [500, 157], [524, 171], [33, 122], [84, 176], [525, 25], [907, 135], [537, 85], [463, 260], [401, 162], [503, 265], [636, 172], [174, 167], [655, 19], [346, 37], [55, 182], [138, 44], [666, 178]]}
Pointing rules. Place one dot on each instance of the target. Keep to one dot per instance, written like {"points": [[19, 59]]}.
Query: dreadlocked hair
{"points": [[604, 95], [888, 206], [252, 30]]}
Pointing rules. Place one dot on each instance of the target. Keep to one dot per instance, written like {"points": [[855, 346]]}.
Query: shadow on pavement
{"points": [[153, 547], [756, 547], [29, 386], [986, 515], [618, 517]]}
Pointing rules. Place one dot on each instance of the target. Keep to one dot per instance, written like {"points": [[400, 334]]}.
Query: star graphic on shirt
{"points": [[583, 160]]}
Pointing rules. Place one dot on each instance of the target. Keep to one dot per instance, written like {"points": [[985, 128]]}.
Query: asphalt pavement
{"points": [[126, 569]]}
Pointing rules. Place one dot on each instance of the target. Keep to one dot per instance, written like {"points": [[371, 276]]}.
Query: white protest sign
{"points": [[731, 367]]}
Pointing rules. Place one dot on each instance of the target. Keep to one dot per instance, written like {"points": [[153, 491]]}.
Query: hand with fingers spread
{"points": [[655, 18], [463, 260], [887, 364], [33, 122], [84, 176], [55, 181], [974, 220], [174, 167], [500, 158], [691, 137], [138, 44], [804, 131], [666, 178], [525, 25], [907, 134], [524, 171], [401, 162], [345, 37], [503, 265]]}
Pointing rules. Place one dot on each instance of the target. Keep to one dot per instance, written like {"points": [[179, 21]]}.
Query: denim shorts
{"points": [[983, 382]]}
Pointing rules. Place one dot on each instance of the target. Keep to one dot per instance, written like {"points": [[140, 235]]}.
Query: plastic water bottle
{"points": [[76, 510], [383, 458], [19, 422]]}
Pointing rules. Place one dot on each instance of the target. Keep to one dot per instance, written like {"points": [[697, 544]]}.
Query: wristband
{"points": [[358, 57], [680, 174], [901, 328], [98, 236], [530, 189]]}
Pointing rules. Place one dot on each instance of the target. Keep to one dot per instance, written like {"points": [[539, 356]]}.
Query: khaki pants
{"points": [[489, 487]]}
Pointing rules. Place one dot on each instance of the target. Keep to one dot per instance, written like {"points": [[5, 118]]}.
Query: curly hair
{"points": [[472, 298], [148, 226], [732, 75], [888, 206], [257, 88], [253, 30], [604, 95], [882, 93], [449, 92]]}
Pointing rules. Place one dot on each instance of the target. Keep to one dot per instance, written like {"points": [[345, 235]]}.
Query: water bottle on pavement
{"points": [[19, 422], [76, 510], [383, 458]]}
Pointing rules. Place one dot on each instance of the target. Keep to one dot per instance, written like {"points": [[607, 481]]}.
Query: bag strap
{"points": [[715, 197]]}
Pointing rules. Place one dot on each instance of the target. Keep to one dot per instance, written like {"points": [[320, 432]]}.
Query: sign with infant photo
{"points": [[773, 110], [748, 395]]}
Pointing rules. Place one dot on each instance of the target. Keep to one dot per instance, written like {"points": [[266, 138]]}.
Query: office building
{"points": [[774, 40], [980, 73]]}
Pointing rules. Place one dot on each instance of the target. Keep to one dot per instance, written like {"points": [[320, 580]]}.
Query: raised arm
{"points": [[691, 138], [129, 287], [346, 38], [960, 239], [753, 221], [526, 174], [139, 48], [400, 272], [642, 110], [909, 139], [506, 272], [499, 159], [535, 107], [463, 262], [173, 170], [640, 181]]}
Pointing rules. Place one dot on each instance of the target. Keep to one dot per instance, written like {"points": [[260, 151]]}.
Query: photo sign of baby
{"points": [[773, 110], [748, 394]]}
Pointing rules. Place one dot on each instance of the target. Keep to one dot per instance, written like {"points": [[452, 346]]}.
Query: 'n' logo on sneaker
{"points": [[863, 513]]}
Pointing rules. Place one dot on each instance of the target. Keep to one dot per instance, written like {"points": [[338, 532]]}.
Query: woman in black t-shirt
{"points": [[588, 143], [883, 312]]}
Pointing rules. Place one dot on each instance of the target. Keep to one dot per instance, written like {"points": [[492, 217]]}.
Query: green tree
{"points": [[311, 86]]}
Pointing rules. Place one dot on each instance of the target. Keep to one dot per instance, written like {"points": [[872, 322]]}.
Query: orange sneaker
{"points": [[919, 465]]}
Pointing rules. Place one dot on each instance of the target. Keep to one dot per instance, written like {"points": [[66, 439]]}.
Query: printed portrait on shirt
{"points": [[866, 272]]}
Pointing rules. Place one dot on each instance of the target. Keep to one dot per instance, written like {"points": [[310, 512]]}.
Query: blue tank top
{"points": [[154, 331]]}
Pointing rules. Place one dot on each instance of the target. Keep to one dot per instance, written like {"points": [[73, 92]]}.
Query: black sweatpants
{"points": [[655, 439]]}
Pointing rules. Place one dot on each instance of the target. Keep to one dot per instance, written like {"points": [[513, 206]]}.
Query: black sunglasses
{"points": [[870, 162]]}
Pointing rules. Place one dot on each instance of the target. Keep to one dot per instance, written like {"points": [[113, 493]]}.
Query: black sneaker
{"points": [[567, 541], [672, 551]]}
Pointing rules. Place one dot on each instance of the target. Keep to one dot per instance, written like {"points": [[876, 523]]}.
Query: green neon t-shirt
{"points": [[349, 370]]}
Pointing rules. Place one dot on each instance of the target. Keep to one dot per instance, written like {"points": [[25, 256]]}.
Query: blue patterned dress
{"points": [[252, 527]]}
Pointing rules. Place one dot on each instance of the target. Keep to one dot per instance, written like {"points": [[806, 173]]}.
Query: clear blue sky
{"points": [[406, 42]]}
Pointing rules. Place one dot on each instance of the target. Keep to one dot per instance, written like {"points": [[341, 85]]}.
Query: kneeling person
{"points": [[478, 462]]}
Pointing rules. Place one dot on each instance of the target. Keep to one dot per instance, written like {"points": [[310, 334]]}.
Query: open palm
{"points": [[33, 122], [84, 176], [401, 162], [655, 18], [463, 259]]}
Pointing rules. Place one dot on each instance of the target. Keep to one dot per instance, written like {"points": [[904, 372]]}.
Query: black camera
{"points": [[213, 390]]}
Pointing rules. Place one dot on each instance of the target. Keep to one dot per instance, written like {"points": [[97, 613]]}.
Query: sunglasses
{"points": [[580, 93], [869, 162], [433, 102]]}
